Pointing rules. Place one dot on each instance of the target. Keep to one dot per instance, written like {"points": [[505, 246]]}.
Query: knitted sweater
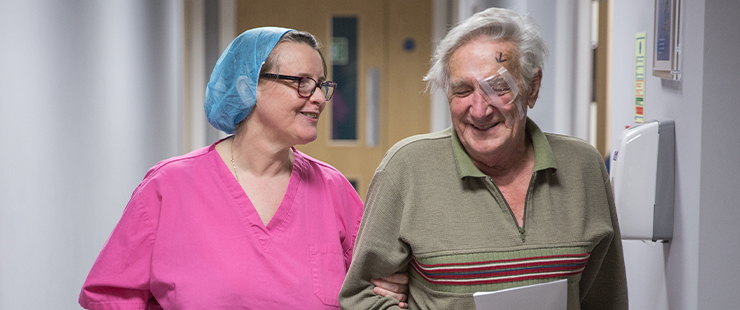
{"points": [[430, 211]]}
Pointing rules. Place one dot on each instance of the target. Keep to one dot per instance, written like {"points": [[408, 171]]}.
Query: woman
{"points": [[249, 222]]}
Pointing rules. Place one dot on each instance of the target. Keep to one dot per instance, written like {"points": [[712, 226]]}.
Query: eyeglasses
{"points": [[306, 85]]}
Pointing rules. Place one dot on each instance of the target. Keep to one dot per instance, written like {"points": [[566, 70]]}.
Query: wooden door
{"points": [[393, 47]]}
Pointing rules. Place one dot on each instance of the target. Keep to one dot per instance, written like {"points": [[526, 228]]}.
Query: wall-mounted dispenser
{"points": [[642, 174]]}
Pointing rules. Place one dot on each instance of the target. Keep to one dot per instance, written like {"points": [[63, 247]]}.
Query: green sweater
{"points": [[429, 211]]}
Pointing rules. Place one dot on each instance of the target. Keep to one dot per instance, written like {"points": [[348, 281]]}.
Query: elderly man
{"points": [[492, 202]]}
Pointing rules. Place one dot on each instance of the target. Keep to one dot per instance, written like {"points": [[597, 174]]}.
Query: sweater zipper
{"points": [[526, 199], [526, 202]]}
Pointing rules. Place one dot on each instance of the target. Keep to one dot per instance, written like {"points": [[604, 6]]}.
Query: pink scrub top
{"points": [[189, 238]]}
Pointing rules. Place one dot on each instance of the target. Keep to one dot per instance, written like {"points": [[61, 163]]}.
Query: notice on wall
{"points": [[640, 47]]}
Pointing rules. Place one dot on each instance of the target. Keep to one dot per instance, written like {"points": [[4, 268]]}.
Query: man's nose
{"points": [[480, 107]]}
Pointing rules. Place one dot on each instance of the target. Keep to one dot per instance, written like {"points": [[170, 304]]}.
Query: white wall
{"points": [[662, 276], [565, 96], [441, 19], [545, 109], [719, 241], [698, 269], [88, 102]]}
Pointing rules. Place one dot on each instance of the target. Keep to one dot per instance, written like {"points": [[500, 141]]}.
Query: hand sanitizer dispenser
{"points": [[642, 174]]}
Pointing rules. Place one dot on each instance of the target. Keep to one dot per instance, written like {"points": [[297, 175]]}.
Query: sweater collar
{"points": [[543, 157]]}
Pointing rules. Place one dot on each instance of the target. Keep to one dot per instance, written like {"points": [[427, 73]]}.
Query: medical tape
{"points": [[492, 97], [514, 89]]}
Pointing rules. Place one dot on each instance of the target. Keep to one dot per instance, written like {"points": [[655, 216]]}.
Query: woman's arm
{"points": [[395, 285], [120, 274], [378, 250]]}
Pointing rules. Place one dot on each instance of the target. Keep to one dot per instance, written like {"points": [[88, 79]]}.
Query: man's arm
{"points": [[379, 249], [608, 289]]}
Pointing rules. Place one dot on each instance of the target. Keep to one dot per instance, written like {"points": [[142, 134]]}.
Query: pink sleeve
{"points": [[348, 252], [119, 279], [353, 208]]}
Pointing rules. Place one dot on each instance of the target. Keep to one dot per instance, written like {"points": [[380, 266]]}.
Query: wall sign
{"points": [[667, 47], [640, 41]]}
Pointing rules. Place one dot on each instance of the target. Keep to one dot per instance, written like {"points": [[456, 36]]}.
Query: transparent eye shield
{"points": [[500, 90]]}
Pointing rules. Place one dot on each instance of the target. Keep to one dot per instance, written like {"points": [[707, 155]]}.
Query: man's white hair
{"points": [[494, 23]]}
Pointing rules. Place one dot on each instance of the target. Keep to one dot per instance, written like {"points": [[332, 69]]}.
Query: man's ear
{"points": [[534, 88]]}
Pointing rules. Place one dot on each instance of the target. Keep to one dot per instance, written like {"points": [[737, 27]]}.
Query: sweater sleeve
{"points": [[604, 282], [379, 250], [119, 278]]}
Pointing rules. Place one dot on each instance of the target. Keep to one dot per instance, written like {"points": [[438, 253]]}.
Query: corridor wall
{"points": [[89, 95], [697, 269]]}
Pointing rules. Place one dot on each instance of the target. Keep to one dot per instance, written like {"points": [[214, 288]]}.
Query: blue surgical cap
{"points": [[232, 91]]}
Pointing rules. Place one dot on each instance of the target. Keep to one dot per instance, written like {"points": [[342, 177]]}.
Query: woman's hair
{"points": [[497, 24], [271, 63]]}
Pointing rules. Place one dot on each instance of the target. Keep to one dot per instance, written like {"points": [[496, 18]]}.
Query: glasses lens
{"points": [[328, 89], [306, 86]]}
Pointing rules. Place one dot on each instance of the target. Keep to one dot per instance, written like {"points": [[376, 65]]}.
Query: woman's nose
{"points": [[318, 97]]}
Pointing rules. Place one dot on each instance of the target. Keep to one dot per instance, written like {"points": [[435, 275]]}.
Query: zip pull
{"points": [[513, 217]]}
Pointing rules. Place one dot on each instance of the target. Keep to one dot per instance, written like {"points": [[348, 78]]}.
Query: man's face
{"points": [[481, 126]]}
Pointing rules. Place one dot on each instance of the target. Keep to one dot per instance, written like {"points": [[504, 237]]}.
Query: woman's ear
{"points": [[534, 87]]}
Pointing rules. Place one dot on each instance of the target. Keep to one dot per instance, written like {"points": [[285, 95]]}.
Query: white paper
{"points": [[543, 296]]}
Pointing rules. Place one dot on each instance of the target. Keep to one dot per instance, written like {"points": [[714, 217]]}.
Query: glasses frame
{"points": [[300, 80]]}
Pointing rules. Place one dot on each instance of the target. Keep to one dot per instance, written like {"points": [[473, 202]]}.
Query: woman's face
{"points": [[480, 125], [280, 113]]}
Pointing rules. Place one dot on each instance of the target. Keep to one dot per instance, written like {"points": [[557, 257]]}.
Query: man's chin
{"points": [[481, 148]]}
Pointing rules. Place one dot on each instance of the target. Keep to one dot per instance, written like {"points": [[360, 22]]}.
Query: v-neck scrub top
{"points": [[190, 238]]}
